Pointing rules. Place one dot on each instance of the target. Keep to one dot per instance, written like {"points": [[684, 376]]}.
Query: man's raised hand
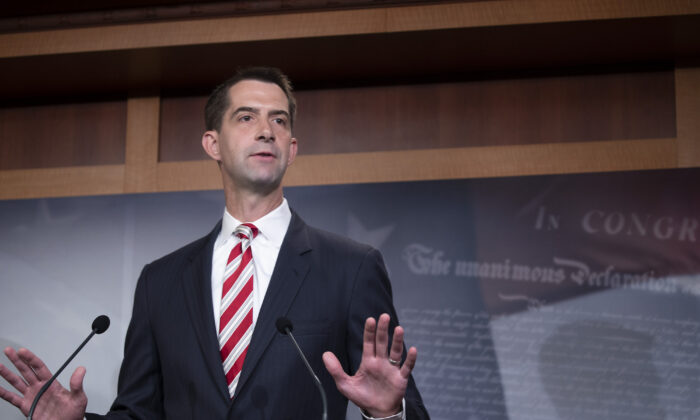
{"points": [[56, 403], [380, 382]]}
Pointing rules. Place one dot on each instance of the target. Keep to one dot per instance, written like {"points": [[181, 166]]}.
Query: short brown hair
{"points": [[218, 101]]}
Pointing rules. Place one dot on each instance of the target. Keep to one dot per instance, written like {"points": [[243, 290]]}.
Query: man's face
{"points": [[255, 143]]}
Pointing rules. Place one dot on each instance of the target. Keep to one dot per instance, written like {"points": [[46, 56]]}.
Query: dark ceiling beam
{"points": [[37, 15]]}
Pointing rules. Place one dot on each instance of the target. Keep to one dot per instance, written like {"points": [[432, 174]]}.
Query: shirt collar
{"points": [[272, 226]]}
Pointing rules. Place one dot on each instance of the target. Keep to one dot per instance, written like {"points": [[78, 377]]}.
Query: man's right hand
{"points": [[56, 403]]}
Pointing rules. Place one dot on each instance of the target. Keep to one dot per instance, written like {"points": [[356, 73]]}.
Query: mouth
{"points": [[263, 155]]}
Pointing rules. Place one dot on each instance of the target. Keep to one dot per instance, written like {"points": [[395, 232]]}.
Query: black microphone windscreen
{"points": [[283, 324], [100, 324]]}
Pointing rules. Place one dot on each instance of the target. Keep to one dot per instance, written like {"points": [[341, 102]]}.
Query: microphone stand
{"points": [[285, 326]]}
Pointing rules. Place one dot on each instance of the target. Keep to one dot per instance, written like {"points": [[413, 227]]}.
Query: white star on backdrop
{"points": [[373, 237]]}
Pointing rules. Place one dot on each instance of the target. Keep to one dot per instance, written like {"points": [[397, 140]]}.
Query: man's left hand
{"points": [[379, 384]]}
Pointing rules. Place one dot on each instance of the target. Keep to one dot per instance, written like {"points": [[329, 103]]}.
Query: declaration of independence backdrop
{"points": [[544, 297]]}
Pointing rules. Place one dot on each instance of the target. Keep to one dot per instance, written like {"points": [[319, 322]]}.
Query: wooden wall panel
{"points": [[141, 144], [57, 135], [452, 90], [453, 14], [181, 129], [491, 112], [465, 162], [479, 162], [61, 182], [688, 103], [468, 114]]}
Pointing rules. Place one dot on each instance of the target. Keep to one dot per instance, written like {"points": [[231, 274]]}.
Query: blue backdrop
{"points": [[543, 297]]}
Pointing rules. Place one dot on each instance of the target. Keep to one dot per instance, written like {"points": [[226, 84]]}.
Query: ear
{"points": [[210, 143], [292, 151]]}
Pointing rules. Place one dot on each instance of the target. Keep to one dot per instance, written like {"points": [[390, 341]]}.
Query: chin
{"points": [[266, 185]]}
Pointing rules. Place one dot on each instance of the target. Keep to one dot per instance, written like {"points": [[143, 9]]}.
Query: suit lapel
{"points": [[290, 271], [197, 292]]}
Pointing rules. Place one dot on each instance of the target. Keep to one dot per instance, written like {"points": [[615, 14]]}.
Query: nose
{"points": [[266, 133]]}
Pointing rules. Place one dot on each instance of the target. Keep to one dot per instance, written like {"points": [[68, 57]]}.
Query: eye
{"points": [[245, 118], [280, 121]]}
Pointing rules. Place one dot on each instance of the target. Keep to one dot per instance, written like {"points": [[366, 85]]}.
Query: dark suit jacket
{"points": [[325, 284]]}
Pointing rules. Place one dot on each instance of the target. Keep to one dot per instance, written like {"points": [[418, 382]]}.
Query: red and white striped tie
{"points": [[236, 322]]}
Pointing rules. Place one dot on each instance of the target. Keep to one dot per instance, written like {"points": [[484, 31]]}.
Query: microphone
{"points": [[99, 325], [285, 327]]}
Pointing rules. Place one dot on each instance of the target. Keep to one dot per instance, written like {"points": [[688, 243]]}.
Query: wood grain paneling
{"points": [[465, 162], [468, 162], [333, 23], [186, 176], [480, 162], [192, 32], [181, 129], [73, 134], [38, 15], [445, 115], [350, 47], [451, 90], [141, 144], [482, 113], [688, 104], [481, 13], [61, 182]]}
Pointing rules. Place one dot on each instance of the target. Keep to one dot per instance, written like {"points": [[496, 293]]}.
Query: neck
{"points": [[251, 207]]}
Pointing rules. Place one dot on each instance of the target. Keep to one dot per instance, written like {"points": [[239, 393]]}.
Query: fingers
{"points": [[410, 362], [76, 381], [40, 370], [382, 339], [13, 379], [396, 345], [11, 397], [368, 338], [10, 376], [21, 366], [334, 367], [375, 341]]}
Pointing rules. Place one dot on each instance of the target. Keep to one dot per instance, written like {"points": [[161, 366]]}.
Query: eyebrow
{"points": [[280, 112], [257, 111], [245, 109]]}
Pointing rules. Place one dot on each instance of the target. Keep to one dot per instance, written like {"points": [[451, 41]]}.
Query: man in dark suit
{"points": [[202, 342]]}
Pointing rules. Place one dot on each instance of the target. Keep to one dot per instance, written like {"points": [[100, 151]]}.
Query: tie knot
{"points": [[246, 231]]}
